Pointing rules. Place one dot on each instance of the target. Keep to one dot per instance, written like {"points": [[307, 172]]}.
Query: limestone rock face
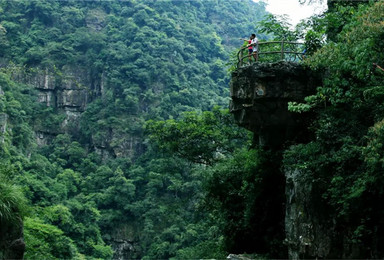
{"points": [[72, 98], [309, 231], [95, 19], [68, 90], [3, 126], [125, 241], [260, 95]]}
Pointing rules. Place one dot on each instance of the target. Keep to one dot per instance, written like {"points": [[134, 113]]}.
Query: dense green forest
{"points": [[116, 141], [100, 178], [344, 158]]}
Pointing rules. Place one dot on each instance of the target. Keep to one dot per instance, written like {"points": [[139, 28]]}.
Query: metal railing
{"points": [[274, 51]]}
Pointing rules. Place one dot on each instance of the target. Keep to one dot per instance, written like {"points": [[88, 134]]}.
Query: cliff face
{"points": [[260, 95], [309, 232], [69, 91]]}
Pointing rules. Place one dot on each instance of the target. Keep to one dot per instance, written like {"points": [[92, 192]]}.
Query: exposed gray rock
{"points": [[42, 79], [123, 249], [308, 233], [72, 98], [115, 144], [3, 126], [68, 89], [124, 240], [43, 138], [126, 145], [238, 257], [260, 95], [96, 19], [47, 97], [103, 152]]}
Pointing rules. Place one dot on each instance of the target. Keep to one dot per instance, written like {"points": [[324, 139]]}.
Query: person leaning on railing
{"points": [[252, 47], [255, 47]]}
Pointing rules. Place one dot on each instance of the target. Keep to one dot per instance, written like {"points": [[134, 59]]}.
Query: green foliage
{"points": [[199, 138], [246, 194], [278, 27], [144, 60], [13, 204], [313, 32], [344, 160], [350, 60], [311, 101], [46, 241]]}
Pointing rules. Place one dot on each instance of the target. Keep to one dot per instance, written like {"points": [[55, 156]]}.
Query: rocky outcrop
{"points": [[96, 19], [238, 257], [124, 249], [312, 231], [3, 126], [68, 90], [309, 232], [124, 240], [260, 95]]}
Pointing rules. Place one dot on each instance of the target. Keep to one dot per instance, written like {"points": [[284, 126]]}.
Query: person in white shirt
{"points": [[252, 47], [255, 46]]}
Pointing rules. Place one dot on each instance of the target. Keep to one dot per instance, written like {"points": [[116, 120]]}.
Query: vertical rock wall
{"points": [[124, 240], [69, 91], [309, 231], [3, 126], [260, 95]]}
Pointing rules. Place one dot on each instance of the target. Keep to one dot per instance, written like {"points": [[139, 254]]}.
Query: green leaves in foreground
{"points": [[344, 160]]}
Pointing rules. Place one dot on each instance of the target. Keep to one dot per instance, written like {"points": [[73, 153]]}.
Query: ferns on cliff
{"points": [[13, 204]]}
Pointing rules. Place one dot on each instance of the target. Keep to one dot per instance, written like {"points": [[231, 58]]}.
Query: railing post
{"points": [[282, 50]]}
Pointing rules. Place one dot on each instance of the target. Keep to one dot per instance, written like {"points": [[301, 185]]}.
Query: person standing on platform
{"points": [[252, 47]]}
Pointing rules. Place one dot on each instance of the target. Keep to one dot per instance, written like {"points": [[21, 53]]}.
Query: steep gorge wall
{"points": [[69, 91]]}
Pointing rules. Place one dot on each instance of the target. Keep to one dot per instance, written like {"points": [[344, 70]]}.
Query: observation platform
{"points": [[272, 51]]}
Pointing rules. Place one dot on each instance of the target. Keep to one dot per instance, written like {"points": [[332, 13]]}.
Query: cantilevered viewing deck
{"points": [[272, 51]]}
